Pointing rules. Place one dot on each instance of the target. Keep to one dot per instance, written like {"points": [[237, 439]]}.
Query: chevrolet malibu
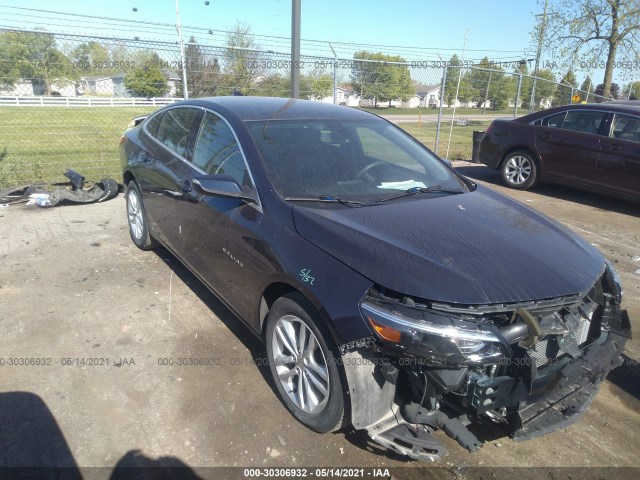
{"points": [[392, 293]]}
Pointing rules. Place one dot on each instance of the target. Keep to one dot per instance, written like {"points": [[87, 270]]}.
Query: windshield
{"points": [[362, 161]]}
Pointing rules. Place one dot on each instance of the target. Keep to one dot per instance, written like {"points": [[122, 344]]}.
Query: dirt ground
{"points": [[101, 317]]}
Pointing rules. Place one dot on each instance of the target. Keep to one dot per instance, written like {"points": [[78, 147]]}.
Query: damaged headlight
{"points": [[442, 339]]}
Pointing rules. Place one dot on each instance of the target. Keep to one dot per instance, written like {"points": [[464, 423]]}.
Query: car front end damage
{"points": [[528, 368]]}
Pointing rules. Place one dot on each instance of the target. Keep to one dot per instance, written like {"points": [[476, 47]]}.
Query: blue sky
{"points": [[499, 29]]}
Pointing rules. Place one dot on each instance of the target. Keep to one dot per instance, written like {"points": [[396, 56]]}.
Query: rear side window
{"points": [[583, 121], [626, 127], [553, 121], [174, 130], [152, 124]]}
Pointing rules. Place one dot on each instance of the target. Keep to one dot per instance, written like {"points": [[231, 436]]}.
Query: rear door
{"points": [[618, 166], [569, 150], [169, 140]]}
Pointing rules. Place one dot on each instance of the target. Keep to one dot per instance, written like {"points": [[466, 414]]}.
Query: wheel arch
{"points": [[127, 177], [278, 289]]}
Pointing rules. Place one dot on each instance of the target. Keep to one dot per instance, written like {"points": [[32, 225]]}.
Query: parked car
{"points": [[392, 293], [590, 146]]}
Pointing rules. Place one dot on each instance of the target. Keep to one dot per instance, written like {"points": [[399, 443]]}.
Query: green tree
{"points": [[614, 92], [33, 56], [525, 84], [565, 90], [276, 86], [451, 82], [381, 77], [90, 56], [321, 85], [587, 89], [488, 84], [594, 29], [242, 70], [631, 91], [146, 82], [203, 72]]}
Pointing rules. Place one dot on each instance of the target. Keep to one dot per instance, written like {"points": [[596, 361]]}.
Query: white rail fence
{"points": [[32, 101]]}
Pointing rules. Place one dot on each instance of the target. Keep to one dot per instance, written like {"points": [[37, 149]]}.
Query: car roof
{"points": [[613, 106], [274, 108]]}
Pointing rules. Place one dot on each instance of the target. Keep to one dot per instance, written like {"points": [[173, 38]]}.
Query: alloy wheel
{"points": [[518, 169], [300, 364]]}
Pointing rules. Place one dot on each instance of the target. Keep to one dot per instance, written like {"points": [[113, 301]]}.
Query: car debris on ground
{"points": [[76, 191]]}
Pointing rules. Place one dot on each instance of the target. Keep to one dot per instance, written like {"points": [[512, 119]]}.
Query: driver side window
{"points": [[217, 151]]}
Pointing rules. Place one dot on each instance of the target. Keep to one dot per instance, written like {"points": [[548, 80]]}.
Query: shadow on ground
{"points": [[32, 446], [627, 377], [234, 324], [483, 173]]}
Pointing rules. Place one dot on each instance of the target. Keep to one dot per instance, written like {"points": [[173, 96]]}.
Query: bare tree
{"points": [[586, 31]]}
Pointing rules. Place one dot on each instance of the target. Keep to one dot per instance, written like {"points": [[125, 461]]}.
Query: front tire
{"points": [[519, 170], [137, 218], [303, 365]]}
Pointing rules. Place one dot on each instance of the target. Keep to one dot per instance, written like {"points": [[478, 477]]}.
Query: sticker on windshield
{"points": [[405, 185]]}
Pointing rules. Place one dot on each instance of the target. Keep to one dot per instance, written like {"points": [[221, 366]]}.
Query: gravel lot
{"points": [[76, 293]]}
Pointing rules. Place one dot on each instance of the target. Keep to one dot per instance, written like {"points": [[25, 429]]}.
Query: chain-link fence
{"points": [[65, 100]]}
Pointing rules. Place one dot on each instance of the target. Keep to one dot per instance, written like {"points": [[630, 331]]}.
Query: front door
{"points": [[618, 165], [217, 233]]}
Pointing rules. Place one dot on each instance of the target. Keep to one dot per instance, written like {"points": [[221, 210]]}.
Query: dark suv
{"points": [[589, 146]]}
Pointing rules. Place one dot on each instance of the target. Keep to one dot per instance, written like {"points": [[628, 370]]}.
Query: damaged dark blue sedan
{"points": [[392, 293]]}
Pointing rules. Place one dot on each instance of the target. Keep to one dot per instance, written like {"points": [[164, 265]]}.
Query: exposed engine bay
{"points": [[528, 368]]}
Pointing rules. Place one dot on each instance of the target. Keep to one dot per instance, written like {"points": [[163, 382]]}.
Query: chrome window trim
{"points": [[257, 206], [244, 157], [613, 118], [173, 152]]}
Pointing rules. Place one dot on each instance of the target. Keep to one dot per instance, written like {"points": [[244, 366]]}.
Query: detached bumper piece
{"points": [[404, 439], [76, 191]]}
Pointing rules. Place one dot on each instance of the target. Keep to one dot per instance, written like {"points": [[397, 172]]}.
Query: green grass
{"points": [[434, 111], [38, 143], [461, 137]]}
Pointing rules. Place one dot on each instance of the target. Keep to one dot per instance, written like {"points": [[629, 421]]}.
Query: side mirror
{"points": [[220, 186], [448, 162]]}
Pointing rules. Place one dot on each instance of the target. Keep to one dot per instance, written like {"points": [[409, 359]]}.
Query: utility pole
{"points": [[538, 53], [295, 48], [455, 101], [335, 75], [185, 93]]}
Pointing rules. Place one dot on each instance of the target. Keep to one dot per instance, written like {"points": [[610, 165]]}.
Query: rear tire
{"points": [[137, 218], [303, 364], [519, 170]]}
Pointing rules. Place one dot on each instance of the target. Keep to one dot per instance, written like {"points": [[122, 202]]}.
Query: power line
{"points": [[268, 40]]}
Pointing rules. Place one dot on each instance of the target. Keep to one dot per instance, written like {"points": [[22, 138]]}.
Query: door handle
{"points": [[612, 148], [544, 136]]}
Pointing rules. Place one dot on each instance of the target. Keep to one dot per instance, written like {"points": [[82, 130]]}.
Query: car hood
{"points": [[473, 248]]}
